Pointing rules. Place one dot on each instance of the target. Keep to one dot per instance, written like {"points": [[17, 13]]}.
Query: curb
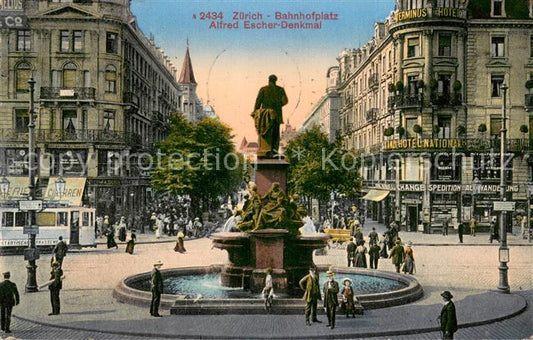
{"points": [[323, 336]]}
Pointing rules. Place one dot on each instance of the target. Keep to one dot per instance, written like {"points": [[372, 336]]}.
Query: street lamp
{"points": [[503, 286], [4, 186], [60, 186]]}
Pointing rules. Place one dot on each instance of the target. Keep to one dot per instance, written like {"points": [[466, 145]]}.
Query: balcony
{"points": [[131, 98], [528, 102], [405, 101], [447, 99], [75, 93], [373, 81], [371, 115]]}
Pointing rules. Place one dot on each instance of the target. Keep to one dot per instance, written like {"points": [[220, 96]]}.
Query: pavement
{"points": [[89, 312]]}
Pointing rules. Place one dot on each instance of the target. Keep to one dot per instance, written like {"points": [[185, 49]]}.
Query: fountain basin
{"points": [[135, 290]]}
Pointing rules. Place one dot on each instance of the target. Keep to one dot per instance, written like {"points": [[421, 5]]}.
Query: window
{"points": [[413, 47], [412, 83], [7, 219], [70, 120], [445, 45], [496, 82], [409, 126], [497, 8], [65, 41], [109, 120], [444, 85], [77, 41], [23, 74], [86, 79], [24, 40], [111, 43], [497, 47], [61, 218], [531, 45], [69, 75], [445, 125], [56, 78], [111, 79], [495, 126], [22, 119], [20, 219]]}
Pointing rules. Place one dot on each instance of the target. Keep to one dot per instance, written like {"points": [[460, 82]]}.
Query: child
{"points": [[348, 297]]}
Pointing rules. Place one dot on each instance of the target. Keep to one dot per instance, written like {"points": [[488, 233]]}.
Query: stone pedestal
{"points": [[268, 171], [267, 248]]}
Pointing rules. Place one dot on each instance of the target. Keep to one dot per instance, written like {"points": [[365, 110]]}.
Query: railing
{"points": [[75, 136], [529, 101], [447, 99], [371, 114], [404, 101], [79, 93], [373, 81]]}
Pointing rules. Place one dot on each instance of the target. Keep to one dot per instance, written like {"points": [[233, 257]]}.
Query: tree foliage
{"points": [[318, 167], [198, 160]]}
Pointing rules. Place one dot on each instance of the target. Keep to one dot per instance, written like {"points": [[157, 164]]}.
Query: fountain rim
{"points": [[413, 291]]}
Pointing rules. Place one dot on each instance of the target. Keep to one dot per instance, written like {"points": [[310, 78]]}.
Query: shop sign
{"points": [[504, 206], [31, 205], [421, 13], [417, 143], [12, 14], [24, 242], [485, 188]]}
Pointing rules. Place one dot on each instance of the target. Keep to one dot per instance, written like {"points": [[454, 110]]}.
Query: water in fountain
{"points": [[231, 224], [309, 226]]}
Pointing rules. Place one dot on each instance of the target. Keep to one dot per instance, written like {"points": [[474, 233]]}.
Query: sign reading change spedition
{"points": [[12, 14]]}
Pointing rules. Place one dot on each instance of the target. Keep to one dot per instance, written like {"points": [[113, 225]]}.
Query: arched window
{"points": [[111, 79], [23, 73], [69, 75]]}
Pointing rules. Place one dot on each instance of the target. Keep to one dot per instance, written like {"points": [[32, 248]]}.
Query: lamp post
{"points": [[528, 225], [503, 286], [4, 186], [31, 253], [60, 186], [476, 189]]}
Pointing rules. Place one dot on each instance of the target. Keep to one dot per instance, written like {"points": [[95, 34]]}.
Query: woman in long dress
{"points": [[122, 229], [131, 243], [180, 248], [360, 255], [111, 238], [348, 297], [158, 227], [409, 263]]}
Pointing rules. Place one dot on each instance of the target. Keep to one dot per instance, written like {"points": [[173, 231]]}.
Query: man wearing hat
{"points": [[311, 286], [331, 289], [9, 297], [448, 318], [55, 287], [60, 251], [397, 255], [157, 289], [197, 227]]}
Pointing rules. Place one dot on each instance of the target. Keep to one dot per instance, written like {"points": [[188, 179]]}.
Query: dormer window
{"points": [[497, 8]]}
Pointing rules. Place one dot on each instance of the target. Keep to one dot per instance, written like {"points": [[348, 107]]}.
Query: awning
{"points": [[73, 190], [376, 195]]}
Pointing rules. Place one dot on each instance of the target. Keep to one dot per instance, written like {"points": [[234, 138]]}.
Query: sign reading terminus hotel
{"points": [[439, 12], [416, 143]]}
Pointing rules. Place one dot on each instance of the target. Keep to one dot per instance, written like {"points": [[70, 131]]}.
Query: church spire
{"points": [[187, 74]]}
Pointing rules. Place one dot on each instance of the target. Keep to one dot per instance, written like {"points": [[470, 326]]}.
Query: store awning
{"points": [[376, 195], [72, 194]]}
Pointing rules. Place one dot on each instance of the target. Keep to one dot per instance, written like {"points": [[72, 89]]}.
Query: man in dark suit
{"points": [[331, 289], [448, 319], [60, 251], [310, 284], [55, 287], [157, 289], [350, 252], [9, 297], [268, 117], [460, 231]]}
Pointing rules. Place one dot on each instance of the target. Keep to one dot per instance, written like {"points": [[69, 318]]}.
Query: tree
{"points": [[199, 160], [318, 167]]}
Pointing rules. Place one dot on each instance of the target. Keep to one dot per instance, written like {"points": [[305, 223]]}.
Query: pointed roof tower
{"points": [[187, 74]]}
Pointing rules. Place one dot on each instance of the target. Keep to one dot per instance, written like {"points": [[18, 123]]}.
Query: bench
{"points": [[339, 235]]}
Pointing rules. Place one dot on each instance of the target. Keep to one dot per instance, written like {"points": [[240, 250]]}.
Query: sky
{"points": [[231, 65]]}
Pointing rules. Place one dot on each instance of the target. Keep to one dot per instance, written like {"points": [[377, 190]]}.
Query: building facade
{"points": [[325, 113], [104, 94], [422, 102]]}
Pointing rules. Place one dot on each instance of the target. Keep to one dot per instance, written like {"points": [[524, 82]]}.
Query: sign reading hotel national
{"points": [[421, 13], [416, 143]]}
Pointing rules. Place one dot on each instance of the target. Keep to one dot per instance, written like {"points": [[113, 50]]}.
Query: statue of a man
{"points": [[268, 116]]}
